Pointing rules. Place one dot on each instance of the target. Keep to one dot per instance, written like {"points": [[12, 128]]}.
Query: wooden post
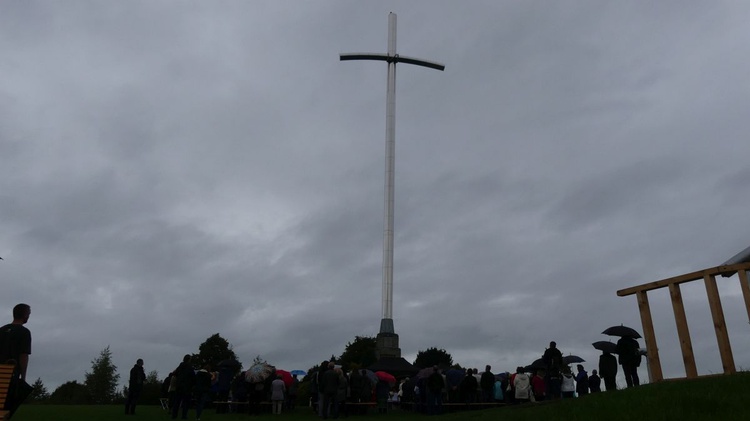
{"points": [[714, 301], [682, 331], [649, 337], [745, 290]]}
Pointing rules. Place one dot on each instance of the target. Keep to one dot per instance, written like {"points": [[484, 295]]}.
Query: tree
{"points": [[359, 353], [70, 393], [101, 383], [39, 392], [214, 350], [433, 356]]}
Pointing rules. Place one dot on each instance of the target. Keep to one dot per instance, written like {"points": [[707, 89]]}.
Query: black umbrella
{"points": [[572, 359], [606, 346], [536, 365], [622, 331]]}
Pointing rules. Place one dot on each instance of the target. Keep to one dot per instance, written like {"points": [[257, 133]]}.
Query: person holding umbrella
{"points": [[608, 370], [630, 359]]}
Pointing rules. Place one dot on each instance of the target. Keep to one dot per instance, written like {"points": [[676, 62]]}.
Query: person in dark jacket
{"points": [[630, 359], [185, 382], [608, 370], [595, 382], [487, 383], [329, 385], [202, 389], [239, 392], [316, 388], [435, 386], [468, 387], [582, 381], [135, 386], [552, 359]]}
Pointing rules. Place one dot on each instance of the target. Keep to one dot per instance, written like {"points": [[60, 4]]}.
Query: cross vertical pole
{"points": [[391, 57]]}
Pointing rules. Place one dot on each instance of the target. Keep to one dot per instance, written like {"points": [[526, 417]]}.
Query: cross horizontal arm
{"points": [[392, 59]]}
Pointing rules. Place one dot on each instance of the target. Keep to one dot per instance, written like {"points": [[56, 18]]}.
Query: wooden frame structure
{"points": [[717, 313]]}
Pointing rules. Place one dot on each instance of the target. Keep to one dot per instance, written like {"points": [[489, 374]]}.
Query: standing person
{"points": [[382, 392], [292, 395], [608, 370], [277, 395], [487, 383], [497, 391], [135, 386], [355, 387], [185, 380], [595, 382], [317, 386], [582, 381], [172, 391], [468, 387], [522, 386], [479, 395], [341, 394], [630, 359], [568, 384], [15, 347], [435, 385], [552, 358], [539, 386], [202, 389], [365, 394], [165, 390], [15, 340], [329, 385]]}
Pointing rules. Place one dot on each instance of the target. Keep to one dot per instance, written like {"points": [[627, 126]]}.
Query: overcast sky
{"points": [[174, 169]]}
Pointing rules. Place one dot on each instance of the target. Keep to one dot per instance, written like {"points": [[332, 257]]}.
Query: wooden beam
{"points": [[714, 302], [745, 290], [683, 332], [692, 276], [650, 338]]}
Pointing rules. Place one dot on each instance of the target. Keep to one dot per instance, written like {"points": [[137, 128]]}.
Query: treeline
{"points": [[101, 384], [99, 387]]}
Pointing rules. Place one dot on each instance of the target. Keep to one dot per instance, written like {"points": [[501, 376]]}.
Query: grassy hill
{"points": [[718, 397]]}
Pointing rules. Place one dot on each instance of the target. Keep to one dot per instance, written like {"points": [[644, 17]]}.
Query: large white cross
{"points": [[386, 325]]}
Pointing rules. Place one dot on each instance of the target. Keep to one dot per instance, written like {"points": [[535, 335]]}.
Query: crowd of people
{"points": [[335, 392]]}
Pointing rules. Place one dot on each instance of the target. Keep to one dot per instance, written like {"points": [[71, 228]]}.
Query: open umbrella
{"points": [[371, 376], [386, 377], [622, 331], [606, 346], [298, 373], [286, 377], [425, 372], [572, 359], [258, 372], [454, 376]]}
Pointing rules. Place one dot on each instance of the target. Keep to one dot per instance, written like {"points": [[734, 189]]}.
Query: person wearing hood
{"points": [[522, 386], [568, 384]]}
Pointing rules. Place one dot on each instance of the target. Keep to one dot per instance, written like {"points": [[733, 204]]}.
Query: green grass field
{"points": [[719, 397]]}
